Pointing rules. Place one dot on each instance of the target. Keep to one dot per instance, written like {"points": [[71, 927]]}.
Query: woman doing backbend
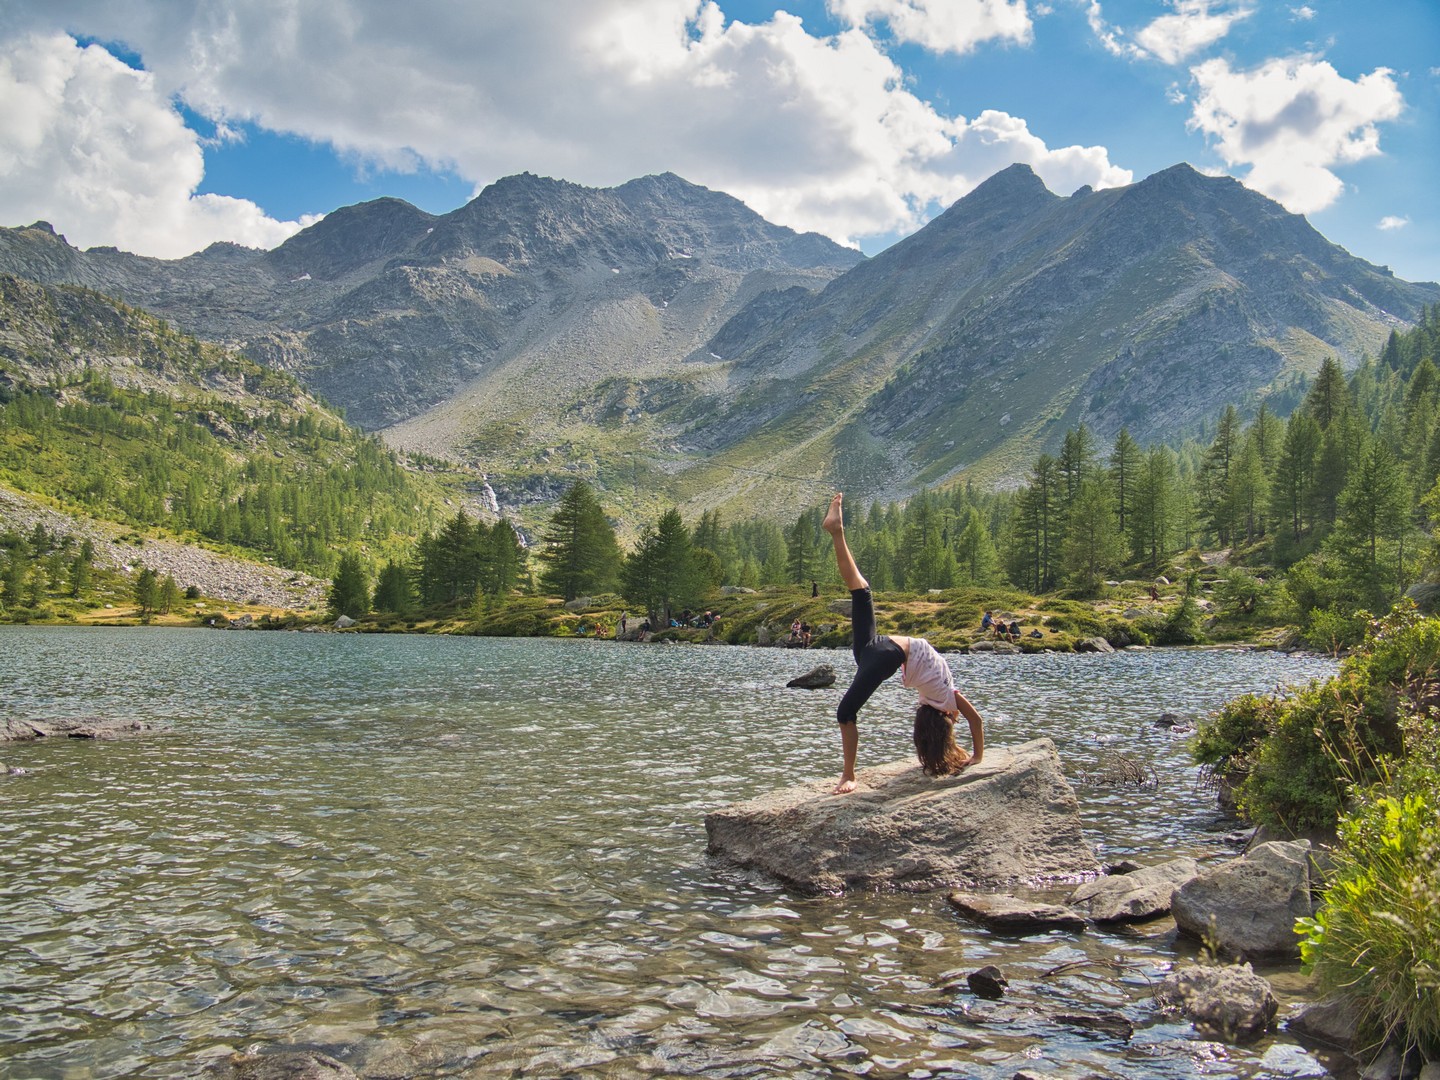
{"points": [[925, 670]]}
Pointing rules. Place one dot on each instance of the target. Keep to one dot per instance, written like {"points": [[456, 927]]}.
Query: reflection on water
{"points": [[465, 857]]}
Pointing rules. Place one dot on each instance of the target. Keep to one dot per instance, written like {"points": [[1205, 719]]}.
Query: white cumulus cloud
{"points": [[1292, 121], [1390, 223], [91, 145], [1303, 13], [1192, 27], [955, 26], [815, 132]]}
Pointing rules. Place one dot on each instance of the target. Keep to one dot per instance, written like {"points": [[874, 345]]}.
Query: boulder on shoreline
{"points": [[1011, 818], [88, 727], [1249, 905]]}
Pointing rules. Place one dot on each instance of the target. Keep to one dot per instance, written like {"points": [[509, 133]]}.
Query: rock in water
{"points": [[1248, 906], [89, 727], [817, 678], [1133, 897], [1228, 1003], [1012, 818]]}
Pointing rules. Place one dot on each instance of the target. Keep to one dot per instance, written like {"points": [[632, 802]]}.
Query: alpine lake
{"points": [[446, 856]]}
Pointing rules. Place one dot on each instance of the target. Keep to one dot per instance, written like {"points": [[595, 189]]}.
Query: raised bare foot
{"points": [[834, 521]]}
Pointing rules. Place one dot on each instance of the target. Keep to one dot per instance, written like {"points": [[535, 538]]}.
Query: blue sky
{"points": [[160, 128]]}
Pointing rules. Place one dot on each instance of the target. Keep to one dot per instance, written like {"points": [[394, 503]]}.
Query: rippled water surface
{"points": [[468, 857]]}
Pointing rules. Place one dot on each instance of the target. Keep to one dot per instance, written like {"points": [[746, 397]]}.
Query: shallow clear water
{"points": [[441, 856]]}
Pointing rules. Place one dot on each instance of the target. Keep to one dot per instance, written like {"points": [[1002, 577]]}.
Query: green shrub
{"points": [[1332, 631], [1315, 745], [1375, 939], [1226, 741]]}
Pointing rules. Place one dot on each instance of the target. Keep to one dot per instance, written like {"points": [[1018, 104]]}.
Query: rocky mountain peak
{"points": [[350, 238]]}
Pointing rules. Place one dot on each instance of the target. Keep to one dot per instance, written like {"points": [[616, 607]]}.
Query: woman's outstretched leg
{"points": [[834, 524]]}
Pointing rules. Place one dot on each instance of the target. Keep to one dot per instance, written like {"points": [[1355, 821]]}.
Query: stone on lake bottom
{"points": [[1011, 818]]}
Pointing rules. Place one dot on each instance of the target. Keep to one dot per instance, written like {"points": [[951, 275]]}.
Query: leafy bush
{"points": [[1226, 741], [1374, 940], [1332, 631], [1182, 627], [1295, 758]]}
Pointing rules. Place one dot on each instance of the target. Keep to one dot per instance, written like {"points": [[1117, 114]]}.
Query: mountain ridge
{"points": [[661, 331]]}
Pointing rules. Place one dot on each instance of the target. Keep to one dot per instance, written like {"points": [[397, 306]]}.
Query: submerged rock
{"points": [[1000, 911], [280, 1065], [987, 982], [1011, 818], [89, 727]]}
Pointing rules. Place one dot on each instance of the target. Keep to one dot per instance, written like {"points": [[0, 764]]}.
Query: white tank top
{"points": [[927, 672]]}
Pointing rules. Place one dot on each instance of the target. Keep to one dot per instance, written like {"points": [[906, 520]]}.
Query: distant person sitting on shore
{"points": [[987, 622], [877, 657]]}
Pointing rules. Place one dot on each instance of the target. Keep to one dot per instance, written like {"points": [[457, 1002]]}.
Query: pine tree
{"points": [[1092, 544], [350, 588], [977, 561], [1216, 493], [1152, 522], [1371, 530], [504, 563], [167, 595], [662, 574], [1291, 491], [1328, 396], [1076, 463], [146, 589], [802, 548], [392, 589], [1034, 547], [1124, 464], [580, 554]]}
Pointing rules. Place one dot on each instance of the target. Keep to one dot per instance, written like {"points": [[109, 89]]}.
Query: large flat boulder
{"points": [[1012, 818]]}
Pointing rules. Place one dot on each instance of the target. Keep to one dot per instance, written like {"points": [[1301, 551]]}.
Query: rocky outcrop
{"points": [[89, 727], [1231, 1004], [1011, 818], [1094, 645], [1248, 906], [1135, 896]]}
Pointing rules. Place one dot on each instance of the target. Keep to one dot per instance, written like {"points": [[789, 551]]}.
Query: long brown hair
{"points": [[935, 745]]}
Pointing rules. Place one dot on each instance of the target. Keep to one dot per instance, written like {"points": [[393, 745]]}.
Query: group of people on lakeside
{"points": [[999, 629]]}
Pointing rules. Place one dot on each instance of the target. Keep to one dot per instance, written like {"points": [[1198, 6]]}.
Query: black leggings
{"points": [[876, 657]]}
